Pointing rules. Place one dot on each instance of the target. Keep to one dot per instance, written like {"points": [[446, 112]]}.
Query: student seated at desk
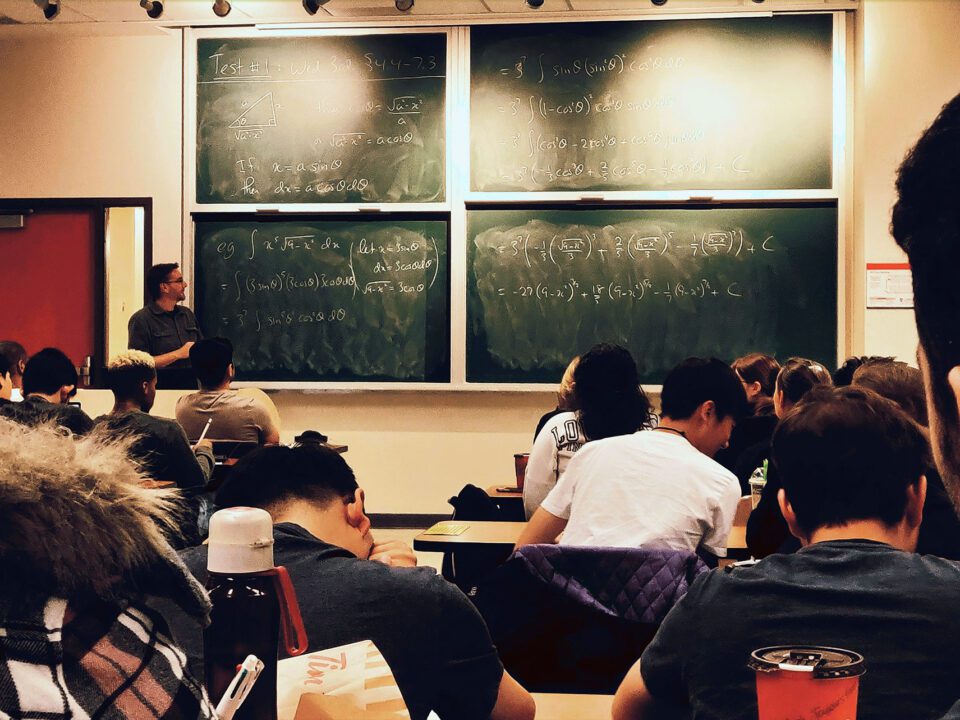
{"points": [[49, 381], [853, 492], [609, 402], [429, 633], [246, 414], [161, 446], [81, 548], [655, 487]]}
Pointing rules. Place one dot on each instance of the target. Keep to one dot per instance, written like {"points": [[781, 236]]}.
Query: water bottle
{"points": [[251, 600]]}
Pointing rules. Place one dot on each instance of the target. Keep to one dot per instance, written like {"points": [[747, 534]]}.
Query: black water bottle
{"points": [[251, 600]]}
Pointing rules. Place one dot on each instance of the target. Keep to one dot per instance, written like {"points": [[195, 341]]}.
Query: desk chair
{"points": [[574, 619]]}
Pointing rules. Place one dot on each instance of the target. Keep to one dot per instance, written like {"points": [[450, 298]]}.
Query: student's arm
{"points": [[185, 466], [633, 700], [267, 416], [513, 702], [181, 353], [544, 527]]}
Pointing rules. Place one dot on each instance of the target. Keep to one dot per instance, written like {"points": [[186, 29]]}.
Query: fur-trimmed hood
{"points": [[74, 521]]}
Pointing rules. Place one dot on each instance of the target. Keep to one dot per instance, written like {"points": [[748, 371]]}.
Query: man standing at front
{"points": [[163, 328]]}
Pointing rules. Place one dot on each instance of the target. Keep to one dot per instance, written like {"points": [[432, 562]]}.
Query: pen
{"points": [[239, 687], [204, 433]]}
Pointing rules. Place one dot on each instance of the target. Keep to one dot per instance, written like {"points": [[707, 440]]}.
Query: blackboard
{"points": [[738, 103], [545, 285], [321, 119], [317, 300]]}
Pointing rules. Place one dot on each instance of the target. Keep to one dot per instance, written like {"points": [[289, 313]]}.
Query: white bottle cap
{"points": [[241, 541]]}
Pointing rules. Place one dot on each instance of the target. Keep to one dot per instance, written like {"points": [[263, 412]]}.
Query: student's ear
{"points": [[953, 379], [916, 497], [356, 515], [231, 371], [707, 410], [791, 517], [66, 392]]}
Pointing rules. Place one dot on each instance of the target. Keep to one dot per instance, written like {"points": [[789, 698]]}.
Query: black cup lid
{"points": [[822, 662]]}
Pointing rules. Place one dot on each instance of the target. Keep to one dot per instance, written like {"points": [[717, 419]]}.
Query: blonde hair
{"points": [[131, 358], [565, 395]]}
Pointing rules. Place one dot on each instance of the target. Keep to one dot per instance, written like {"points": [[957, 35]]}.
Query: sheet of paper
{"points": [[447, 528]]}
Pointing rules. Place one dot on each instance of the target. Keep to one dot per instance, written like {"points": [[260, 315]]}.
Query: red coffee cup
{"points": [[520, 465], [798, 682]]}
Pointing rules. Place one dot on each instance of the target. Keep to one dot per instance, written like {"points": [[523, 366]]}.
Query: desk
{"points": [[488, 534], [568, 706], [505, 534], [510, 503]]}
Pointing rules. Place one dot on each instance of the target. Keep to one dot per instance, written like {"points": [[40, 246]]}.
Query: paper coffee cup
{"points": [[799, 682], [520, 466]]}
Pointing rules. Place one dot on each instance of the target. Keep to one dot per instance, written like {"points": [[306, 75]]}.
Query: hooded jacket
{"points": [[81, 549]]}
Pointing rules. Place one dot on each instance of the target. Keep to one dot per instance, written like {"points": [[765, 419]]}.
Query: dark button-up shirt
{"points": [[158, 332]]}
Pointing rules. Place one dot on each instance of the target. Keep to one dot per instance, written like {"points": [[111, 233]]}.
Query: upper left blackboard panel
{"points": [[321, 119]]}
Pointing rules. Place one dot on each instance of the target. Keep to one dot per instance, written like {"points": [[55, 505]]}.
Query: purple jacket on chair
{"points": [[635, 584]]}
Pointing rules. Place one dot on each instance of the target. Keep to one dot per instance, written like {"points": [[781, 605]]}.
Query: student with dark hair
{"points": [[853, 493], [49, 381], [767, 531], [609, 402], [843, 375], [247, 415], [16, 357], [657, 487], [6, 383], [161, 446], [433, 639], [758, 375], [164, 328], [897, 381]]}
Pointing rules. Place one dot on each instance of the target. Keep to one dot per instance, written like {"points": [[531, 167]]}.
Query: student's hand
{"points": [[393, 553], [184, 352], [208, 444]]}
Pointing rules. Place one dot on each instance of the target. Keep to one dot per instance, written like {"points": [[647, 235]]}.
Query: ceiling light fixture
{"points": [[535, 3], [659, 3], [154, 8], [403, 5], [313, 6], [221, 8], [51, 8]]}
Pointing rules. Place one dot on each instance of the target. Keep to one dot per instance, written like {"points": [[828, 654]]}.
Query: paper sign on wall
{"points": [[889, 285]]}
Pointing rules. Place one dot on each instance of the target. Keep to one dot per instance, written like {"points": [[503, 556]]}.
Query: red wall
{"points": [[47, 283]]}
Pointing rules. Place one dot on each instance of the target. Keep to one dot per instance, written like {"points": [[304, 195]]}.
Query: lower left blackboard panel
{"points": [[332, 299]]}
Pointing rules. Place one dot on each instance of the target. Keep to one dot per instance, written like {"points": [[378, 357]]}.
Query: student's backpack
{"points": [[467, 567]]}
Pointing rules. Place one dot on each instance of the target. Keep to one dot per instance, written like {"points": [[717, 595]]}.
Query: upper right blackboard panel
{"points": [[729, 104]]}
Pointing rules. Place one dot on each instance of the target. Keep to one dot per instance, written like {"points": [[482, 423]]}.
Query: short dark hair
{"points": [[4, 364], [14, 353], [843, 375], [847, 454], [608, 395], [127, 372], [798, 376], [896, 381], [158, 274], [47, 371], [758, 367], [926, 223], [210, 359], [271, 476], [696, 380]]}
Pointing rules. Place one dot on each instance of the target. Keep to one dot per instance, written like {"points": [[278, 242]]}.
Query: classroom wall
{"points": [[909, 67], [103, 120]]}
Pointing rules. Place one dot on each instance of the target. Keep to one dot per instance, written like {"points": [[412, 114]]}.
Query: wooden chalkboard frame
{"points": [[459, 197], [190, 121]]}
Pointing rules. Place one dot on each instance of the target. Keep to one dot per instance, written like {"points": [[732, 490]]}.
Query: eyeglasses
{"points": [[179, 281]]}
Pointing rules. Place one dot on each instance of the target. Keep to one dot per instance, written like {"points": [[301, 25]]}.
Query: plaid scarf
{"points": [[94, 659]]}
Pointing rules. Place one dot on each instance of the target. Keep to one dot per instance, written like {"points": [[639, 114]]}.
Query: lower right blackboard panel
{"points": [[545, 285]]}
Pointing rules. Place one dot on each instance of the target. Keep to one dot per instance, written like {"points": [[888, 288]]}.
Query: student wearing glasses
{"points": [[164, 328]]}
